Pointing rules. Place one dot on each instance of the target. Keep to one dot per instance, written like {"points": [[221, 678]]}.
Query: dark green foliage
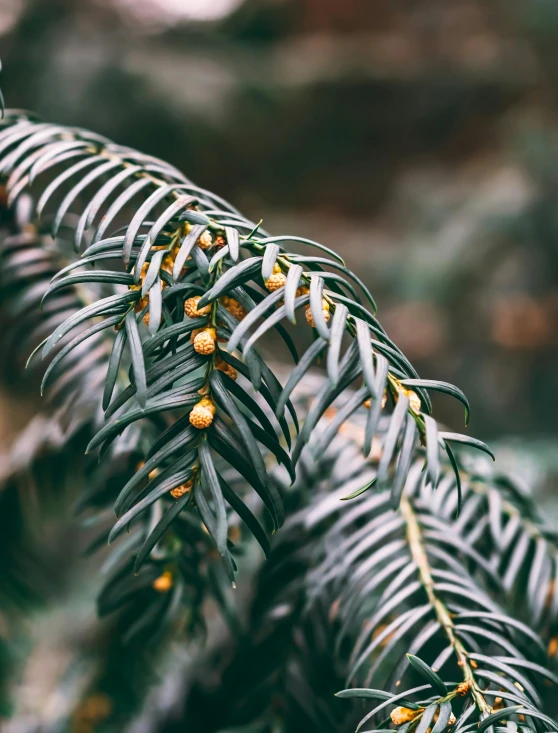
{"points": [[397, 572]]}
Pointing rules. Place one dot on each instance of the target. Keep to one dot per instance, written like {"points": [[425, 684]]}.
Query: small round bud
{"points": [[276, 269], [227, 369], [202, 414], [234, 307], [302, 291], [310, 317], [414, 401], [191, 307], [163, 583], [402, 715], [181, 490], [204, 342], [276, 281], [205, 241]]}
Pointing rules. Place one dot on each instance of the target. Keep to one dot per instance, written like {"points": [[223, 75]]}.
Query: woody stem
{"points": [[420, 558]]}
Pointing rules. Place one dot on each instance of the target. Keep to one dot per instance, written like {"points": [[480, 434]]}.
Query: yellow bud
{"points": [[204, 342], [402, 715], [202, 414], [181, 490], [191, 307], [205, 241], [234, 307], [276, 281], [310, 316], [227, 369], [163, 583]]}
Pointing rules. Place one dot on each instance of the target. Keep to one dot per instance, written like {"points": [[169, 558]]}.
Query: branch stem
{"points": [[420, 558]]}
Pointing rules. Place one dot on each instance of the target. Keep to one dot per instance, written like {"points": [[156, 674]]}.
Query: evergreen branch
{"points": [[191, 258]]}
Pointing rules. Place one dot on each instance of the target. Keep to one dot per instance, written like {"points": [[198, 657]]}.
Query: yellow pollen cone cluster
{"points": [[310, 316], [202, 414], [191, 308]]}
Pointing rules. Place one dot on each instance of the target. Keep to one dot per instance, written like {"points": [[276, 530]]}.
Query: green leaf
{"points": [[96, 203], [455, 467], [432, 462], [342, 268], [160, 404], [71, 196], [291, 286], [443, 717], [247, 517], [183, 442], [159, 530], [338, 325], [426, 718], [501, 714], [83, 336], [269, 260], [160, 193], [298, 373], [360, 491], [210, 479], [287, 238], [361, 692], [273, 321], [404, 462], [225, 401], [163, 485], [366, 355], [444, 387], [316, 290], [114, 365], [231, 278], [374, 414], [397, 422], [136, 354], [95, 309], [54, 185], [434, 680], [231, 235], [466, 440], [152, 271], [251, 318], [96, 276], [156, 229], [118, 204], [224, 443], [395, 698], [155, 306], [353, 403]]}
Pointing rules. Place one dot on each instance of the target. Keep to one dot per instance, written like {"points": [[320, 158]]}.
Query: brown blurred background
{"points": [[418, 138]]}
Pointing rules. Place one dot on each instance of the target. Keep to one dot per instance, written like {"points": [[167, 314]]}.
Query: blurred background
{"points": [[419, 138]]}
